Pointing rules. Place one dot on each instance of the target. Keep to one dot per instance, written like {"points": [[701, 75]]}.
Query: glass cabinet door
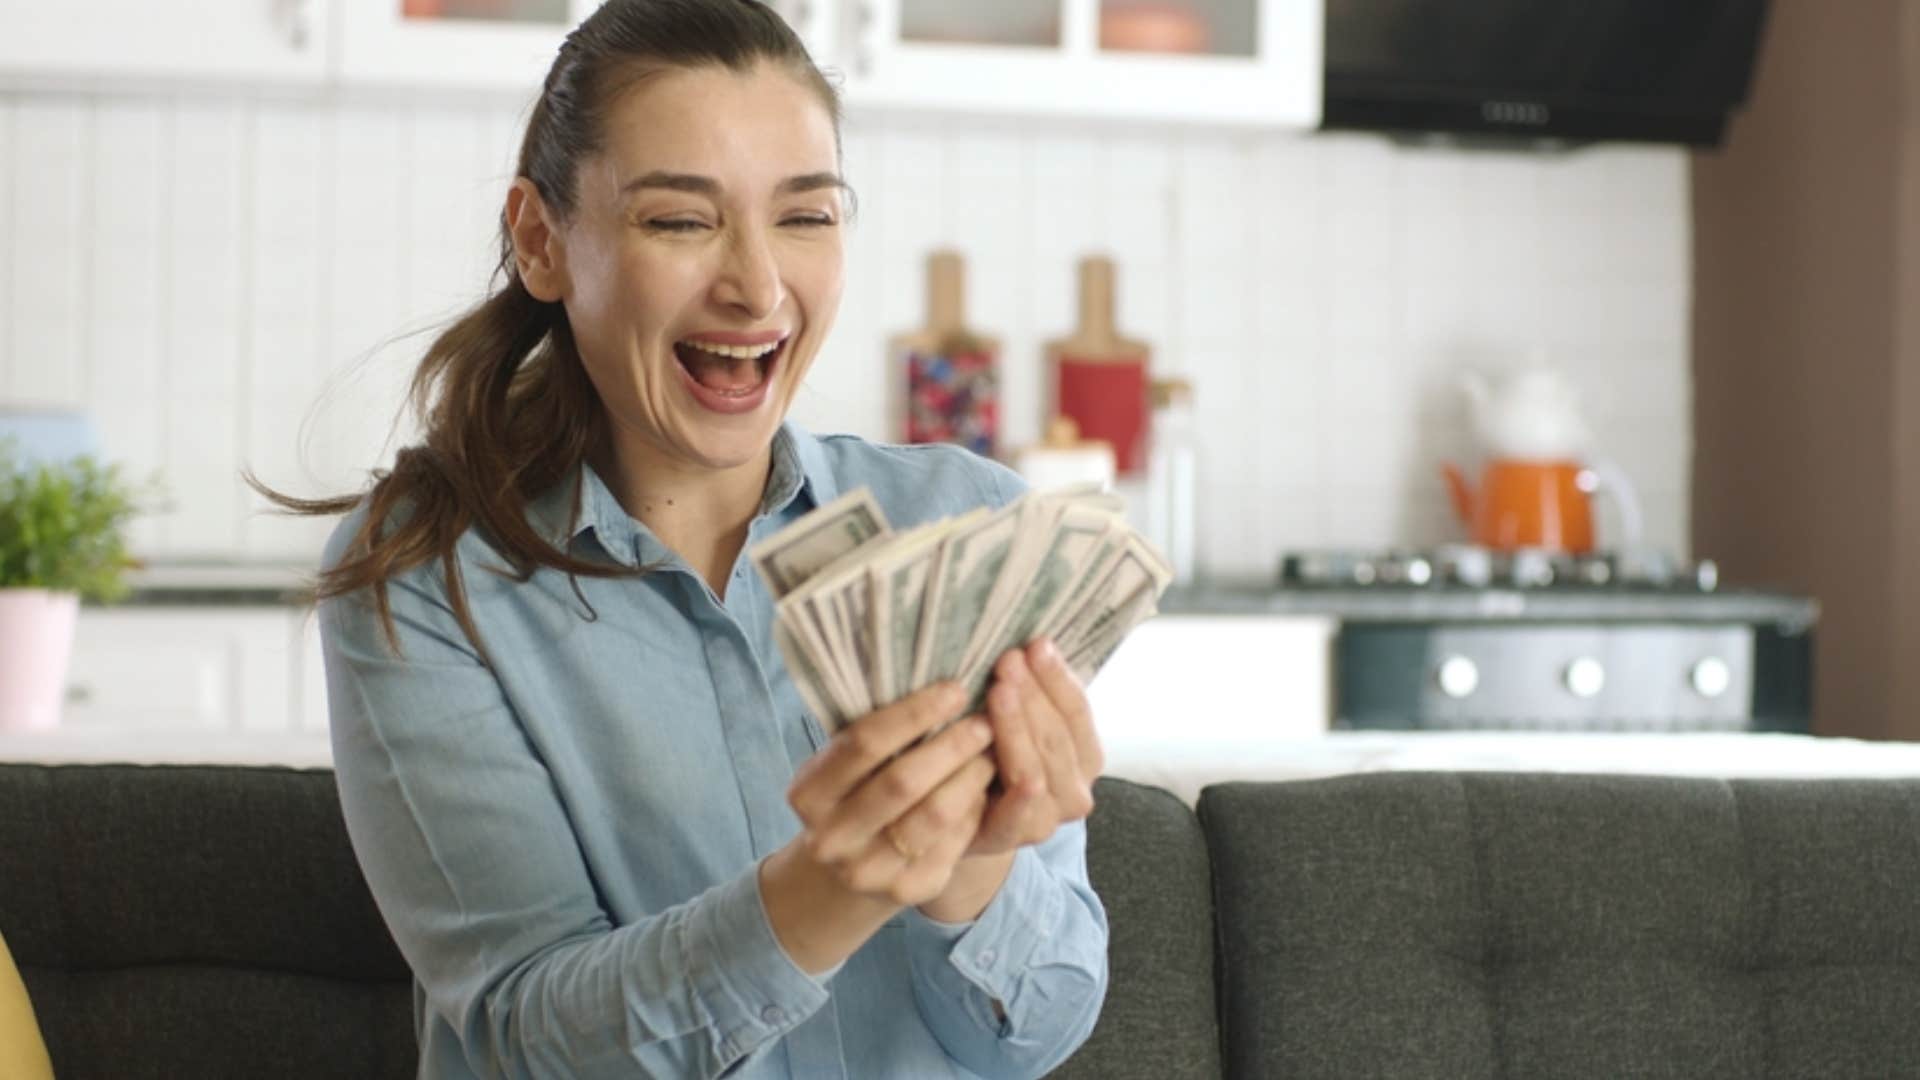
{"points": [[532, 11], [1033, 23], [1234, 61], [1180, 27], [504, 45]]}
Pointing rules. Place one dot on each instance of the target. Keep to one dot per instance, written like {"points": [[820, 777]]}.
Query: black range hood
{"points": [[1572, 71]]}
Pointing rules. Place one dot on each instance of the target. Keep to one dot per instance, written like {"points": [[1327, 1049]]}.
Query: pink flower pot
{"points": [[36, 643]]}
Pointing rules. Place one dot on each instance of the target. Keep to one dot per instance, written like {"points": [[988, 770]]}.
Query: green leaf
{"points": [[63, 526]]}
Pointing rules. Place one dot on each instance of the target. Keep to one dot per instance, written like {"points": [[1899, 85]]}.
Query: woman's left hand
{"points": [[1047, 756], [1045, 746]]}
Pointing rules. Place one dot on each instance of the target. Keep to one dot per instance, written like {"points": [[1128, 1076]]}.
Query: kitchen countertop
{"points": [[1403, 604], [232, 584]]}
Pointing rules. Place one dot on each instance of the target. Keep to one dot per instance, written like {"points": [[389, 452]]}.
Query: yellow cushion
{"points": [[22, 1053]]}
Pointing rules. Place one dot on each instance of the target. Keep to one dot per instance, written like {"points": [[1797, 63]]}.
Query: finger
{"points": [[1066, 782], [854, 822], [1012, 818], [1013, 743], [866, 744], [1069, 697], [953, 807], [931, 868]]}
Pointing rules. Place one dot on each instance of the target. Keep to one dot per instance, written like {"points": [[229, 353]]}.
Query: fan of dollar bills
{"points": [[865, 615]]}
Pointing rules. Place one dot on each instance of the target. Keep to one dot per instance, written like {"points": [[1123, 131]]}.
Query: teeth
{"points": [[733, 352]]}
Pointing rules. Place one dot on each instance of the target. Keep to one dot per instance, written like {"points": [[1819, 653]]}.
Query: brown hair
{"points": [[506, 408]]}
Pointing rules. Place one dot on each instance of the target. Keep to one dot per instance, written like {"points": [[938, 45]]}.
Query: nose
{"points": [[749, 280]]}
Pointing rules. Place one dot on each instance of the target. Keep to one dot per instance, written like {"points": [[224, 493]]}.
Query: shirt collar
{"points": [[799, 466]]}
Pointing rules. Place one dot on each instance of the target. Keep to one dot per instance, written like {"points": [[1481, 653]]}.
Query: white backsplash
{"points": [[227, 282]]}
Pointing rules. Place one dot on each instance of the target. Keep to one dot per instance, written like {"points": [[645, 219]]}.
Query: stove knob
{"points": [[1419, 571], [1586, 677], [1711, 677], [1459, 677], [1706, 576]]}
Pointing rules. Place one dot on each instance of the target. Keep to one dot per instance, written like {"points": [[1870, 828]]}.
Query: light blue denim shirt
{"points": [[565, 844]]}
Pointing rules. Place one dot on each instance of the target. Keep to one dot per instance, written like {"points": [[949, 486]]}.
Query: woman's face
{"points": [[703, 265]]}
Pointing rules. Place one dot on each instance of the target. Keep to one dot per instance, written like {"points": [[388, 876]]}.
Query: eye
{"points": [[675, 225], [811, 220]]}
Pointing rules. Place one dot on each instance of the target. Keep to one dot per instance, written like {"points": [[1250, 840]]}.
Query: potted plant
{"points": [[62, 539]]}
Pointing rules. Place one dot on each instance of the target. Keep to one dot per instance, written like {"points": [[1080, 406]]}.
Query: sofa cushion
{"points": [[211, 917], [1148, 862], [1479, 925]]}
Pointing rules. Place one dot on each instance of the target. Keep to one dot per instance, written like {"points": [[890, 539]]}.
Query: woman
{"points": [[605, 833]]}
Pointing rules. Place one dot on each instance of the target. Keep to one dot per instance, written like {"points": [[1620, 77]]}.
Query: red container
{"points": [[1108, 399], [1098, 378]]}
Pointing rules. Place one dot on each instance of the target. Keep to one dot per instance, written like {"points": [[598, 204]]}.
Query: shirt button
{"points": [[773, 1014], [987, 957]]}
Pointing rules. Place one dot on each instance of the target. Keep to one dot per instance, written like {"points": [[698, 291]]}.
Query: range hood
{"points": [[1573, 71]]}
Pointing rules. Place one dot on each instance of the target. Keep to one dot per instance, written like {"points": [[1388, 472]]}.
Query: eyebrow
{"points": [[695, 184]]}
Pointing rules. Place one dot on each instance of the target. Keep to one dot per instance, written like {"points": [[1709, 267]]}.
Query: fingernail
{"points": [[952, 696], [1048, 651], [980, 730]]}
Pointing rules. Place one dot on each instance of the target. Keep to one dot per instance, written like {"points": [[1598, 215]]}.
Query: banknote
{"points": [[865, 616], [818, 540]]}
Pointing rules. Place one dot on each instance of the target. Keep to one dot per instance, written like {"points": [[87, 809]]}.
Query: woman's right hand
{"points": [[885, 816], [888, 814]]}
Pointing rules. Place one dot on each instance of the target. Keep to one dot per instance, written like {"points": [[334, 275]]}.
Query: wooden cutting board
{"points": [[946, 375], [1098, 378]]}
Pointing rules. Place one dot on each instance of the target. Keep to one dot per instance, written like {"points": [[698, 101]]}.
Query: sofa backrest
{"points": [[1148, 862], [184, 921], [197, 922], [1479, 925]]}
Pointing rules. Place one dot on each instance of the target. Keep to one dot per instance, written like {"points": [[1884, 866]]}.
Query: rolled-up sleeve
{"points": [[1039, 950], [467, 847]]}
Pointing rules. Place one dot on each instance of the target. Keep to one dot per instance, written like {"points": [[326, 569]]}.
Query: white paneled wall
{"points": [[248, 282]]}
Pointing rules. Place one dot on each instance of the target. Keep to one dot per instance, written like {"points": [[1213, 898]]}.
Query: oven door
{"points": [[1504, 676]]}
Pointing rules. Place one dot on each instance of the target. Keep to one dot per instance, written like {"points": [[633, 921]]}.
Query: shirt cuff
{"points": [[994, 951], [751, 989]]}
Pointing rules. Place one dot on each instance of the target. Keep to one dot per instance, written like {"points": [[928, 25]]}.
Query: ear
{"points": [[539, 256]]}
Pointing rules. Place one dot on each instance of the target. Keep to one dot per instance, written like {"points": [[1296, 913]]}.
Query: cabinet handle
{"points": [[79, 695], [297, 16], [862, 33]]}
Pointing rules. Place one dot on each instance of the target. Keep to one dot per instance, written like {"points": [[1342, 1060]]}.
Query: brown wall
{"points": [[1806, 241]]}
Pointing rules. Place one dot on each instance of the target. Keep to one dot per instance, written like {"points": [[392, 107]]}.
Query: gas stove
{"points": [[1465, 638], [1463, 566]]}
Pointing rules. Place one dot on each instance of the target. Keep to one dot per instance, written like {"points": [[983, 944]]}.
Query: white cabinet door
{"points": [[233, 669], [1217, 678], [256, 41], [502, 45], [1218, 61]]}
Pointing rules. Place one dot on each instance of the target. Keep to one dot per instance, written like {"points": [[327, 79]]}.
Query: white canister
{"points": [[1063, 459]]}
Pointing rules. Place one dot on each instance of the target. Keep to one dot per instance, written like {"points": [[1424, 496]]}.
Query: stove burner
{"points": [[1463, 566]]}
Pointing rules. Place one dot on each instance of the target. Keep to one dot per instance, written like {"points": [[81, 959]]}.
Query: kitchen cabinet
{"points": [[257, 42], [1228, 61], [1217, 61], [242, 669]]}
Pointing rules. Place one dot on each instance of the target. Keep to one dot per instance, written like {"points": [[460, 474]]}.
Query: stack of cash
{"points": [[866, 615]]}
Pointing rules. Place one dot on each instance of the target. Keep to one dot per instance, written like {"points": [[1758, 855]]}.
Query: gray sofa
{"points": [[210, 922]]}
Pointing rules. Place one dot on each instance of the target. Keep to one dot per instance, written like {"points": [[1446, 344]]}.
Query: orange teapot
{"points": [[1537, 488], [1527, 504]]}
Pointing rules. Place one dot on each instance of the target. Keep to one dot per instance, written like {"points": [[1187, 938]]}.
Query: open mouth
{"points": [[729, 372]]}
